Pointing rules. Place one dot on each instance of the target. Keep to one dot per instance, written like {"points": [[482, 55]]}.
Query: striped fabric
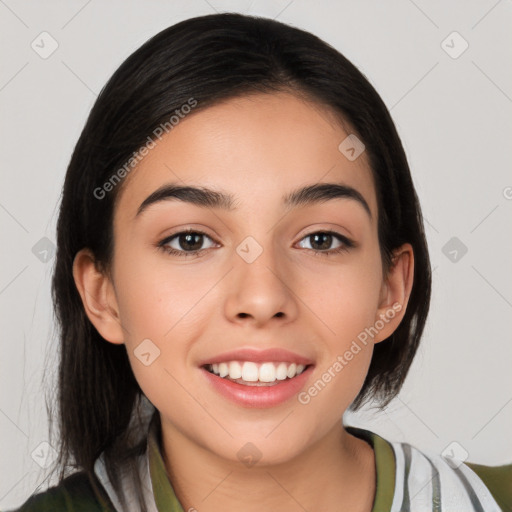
{"points": [[426, 482], [408, 480], [133, 506]]}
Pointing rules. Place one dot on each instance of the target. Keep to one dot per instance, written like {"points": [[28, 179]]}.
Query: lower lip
{"points": [[259, 396]]}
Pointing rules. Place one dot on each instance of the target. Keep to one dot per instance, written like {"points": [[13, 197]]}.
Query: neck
{"points": [[337, 473]]}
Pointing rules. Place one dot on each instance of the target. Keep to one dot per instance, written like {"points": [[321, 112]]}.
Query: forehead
{"points": [[257, 148]]}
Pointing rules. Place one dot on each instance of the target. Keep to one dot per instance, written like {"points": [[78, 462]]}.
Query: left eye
{"points": [[323, 240]]}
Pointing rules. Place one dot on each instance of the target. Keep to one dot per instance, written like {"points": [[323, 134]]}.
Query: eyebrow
{"points": [[208, 198]]}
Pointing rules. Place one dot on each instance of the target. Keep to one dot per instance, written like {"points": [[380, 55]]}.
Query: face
{"points": [[283, 291]]}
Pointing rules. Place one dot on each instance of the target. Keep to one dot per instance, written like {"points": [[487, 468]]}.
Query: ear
{"points": [[395, 292], [98, 297]]}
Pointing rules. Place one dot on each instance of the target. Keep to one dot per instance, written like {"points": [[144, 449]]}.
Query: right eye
{"points": [[186, 243]]}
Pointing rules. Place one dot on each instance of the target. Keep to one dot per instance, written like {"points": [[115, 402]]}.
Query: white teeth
{"points": [[223, 369], [282, 371], [267, 372], [235, 370], [250, 372], [292, 370], [254, 372]]}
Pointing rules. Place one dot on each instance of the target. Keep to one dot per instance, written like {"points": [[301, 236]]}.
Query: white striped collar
{"points": [[424, 480], [427, 482]]}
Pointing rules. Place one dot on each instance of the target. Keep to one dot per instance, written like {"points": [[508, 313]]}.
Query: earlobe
{"points": [[98, 297], [395, 292]]}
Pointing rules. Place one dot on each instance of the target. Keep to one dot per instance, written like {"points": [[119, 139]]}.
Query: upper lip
{"points": [[258, 356]]}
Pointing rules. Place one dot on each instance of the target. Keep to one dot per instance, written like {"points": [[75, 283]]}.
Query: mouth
{"points": [[255, 378], [249, 373]]}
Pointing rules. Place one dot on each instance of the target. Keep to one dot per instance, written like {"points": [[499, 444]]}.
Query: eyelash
{"points": [[347, 244]]}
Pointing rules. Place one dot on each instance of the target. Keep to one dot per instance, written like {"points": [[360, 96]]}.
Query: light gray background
{"points": [[454, 116]]}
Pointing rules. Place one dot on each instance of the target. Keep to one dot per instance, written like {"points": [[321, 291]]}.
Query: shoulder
{"points": [[413, 479], [451, 482], [74, 493], [498, 479]]}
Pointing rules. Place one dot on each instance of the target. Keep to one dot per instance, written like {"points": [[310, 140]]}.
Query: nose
{"points": [[259, 290]]}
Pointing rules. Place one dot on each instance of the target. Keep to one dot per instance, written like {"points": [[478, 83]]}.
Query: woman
{"points": [[241, 259]]}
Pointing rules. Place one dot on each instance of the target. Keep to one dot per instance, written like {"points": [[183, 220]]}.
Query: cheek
{"points": [[163, 310], [348, 310], [347, 296], [160, 322], [154, 299]]}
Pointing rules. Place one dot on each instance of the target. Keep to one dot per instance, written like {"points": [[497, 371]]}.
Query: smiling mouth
{"points": [[249, 373]]}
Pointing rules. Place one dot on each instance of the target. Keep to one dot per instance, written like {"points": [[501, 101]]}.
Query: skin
{"points": [[258, 148]]}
